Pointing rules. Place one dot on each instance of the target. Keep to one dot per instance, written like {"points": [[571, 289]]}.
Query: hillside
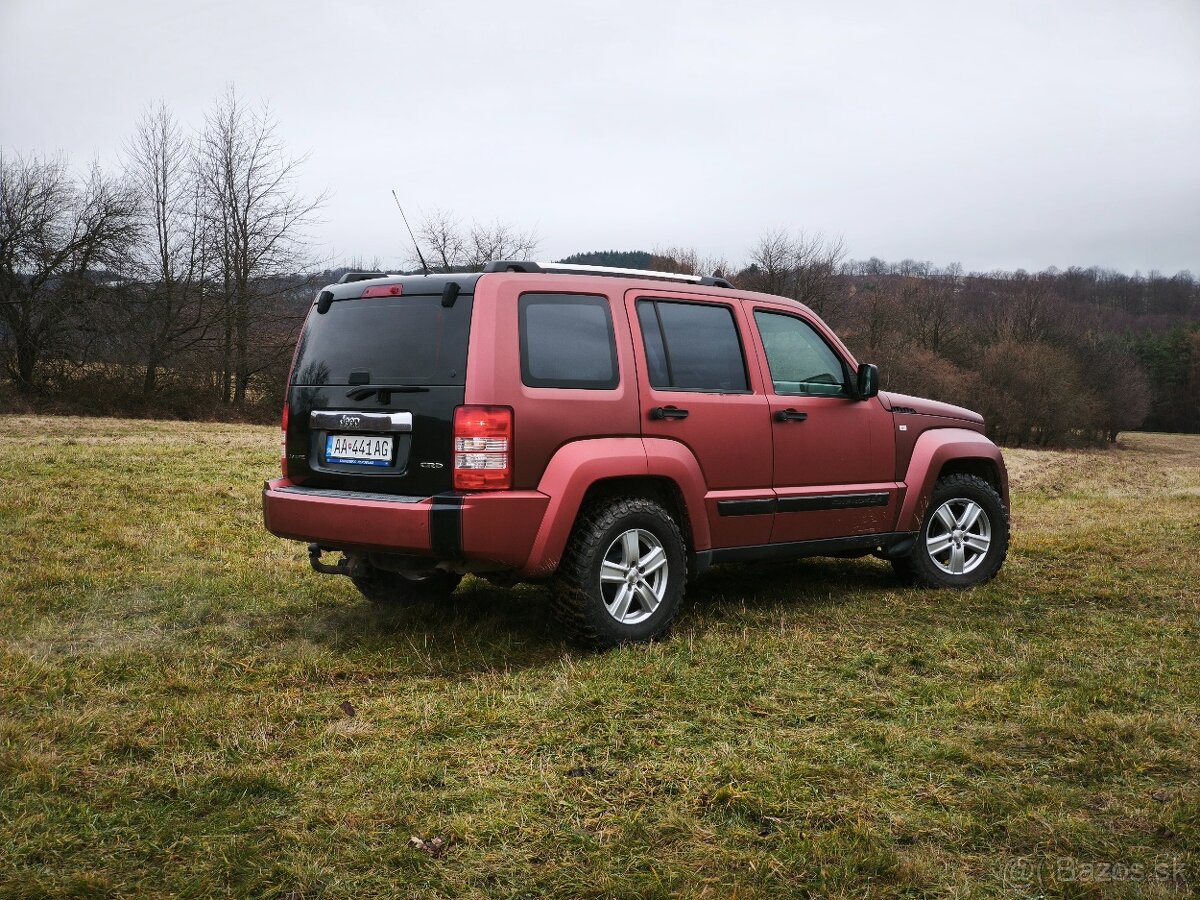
{"points": [[189, 710]]}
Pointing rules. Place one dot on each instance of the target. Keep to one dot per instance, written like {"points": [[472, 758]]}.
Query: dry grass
{"points": [[1148, 465], [171, 720]]}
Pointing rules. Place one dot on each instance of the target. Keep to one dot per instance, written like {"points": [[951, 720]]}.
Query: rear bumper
{"points": [[496, 528]]}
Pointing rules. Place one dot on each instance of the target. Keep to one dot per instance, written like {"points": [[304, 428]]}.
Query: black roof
{"points": [[414, 285]]}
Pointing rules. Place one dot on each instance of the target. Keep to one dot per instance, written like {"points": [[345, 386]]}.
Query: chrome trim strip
{"points": [[357, 420], [346, 495]]}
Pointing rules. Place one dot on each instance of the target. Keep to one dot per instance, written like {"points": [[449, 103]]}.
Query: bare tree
{"points": [[1120, 385], [1033, 311], [254, 218], [771, 261], [54, 235], [931, 308], [803, 267], [687, 261], [359, 263], [499, 241], [914, 370], [815, 264], [169, 314], [1026, 310], [874, 314], [1034, 395], [441, 238], [449, 246]]}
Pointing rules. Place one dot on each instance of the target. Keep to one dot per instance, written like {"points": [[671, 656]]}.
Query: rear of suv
{"points": [[613, 432]]}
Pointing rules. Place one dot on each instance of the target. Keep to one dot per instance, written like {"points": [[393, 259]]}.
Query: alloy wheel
{"points": [[958, 536], [633, 576]]}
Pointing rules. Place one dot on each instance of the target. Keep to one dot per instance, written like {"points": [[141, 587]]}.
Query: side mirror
{"points": [[868, 381]]}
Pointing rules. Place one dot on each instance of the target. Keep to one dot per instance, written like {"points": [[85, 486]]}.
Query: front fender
{"points": [[933, 450], [575, 467]]}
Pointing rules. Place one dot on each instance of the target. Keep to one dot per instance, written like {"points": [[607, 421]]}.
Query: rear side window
{"points": [[692, 347], [567, 341], [388, 340]]}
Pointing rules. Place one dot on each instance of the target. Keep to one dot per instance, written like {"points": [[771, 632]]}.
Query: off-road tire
{"points": [[578, 599], [919, 567], [392, 588]]}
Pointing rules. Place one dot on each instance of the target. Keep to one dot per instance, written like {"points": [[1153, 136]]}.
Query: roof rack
{"points": [[521, 265]]}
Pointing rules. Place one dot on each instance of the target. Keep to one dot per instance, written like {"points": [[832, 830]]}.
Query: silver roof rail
{"points": [[613, 270], [521, 265]]}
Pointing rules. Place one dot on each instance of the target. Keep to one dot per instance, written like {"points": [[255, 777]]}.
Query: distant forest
{"points": [[1049, 357], [175, 286], [621, 259]]}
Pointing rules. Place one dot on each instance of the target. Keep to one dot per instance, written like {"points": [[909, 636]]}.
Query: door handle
{"points": [[668, 412], [790, 415]]}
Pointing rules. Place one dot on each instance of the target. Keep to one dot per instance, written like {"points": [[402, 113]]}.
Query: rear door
{"points": [[373, 392], [696, 388], [834, 461]]}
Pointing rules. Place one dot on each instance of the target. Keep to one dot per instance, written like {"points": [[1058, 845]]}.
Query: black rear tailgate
{"points": [[373, 392]]}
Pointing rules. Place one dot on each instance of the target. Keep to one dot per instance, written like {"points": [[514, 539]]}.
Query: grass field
{"points": [[186, 709]]}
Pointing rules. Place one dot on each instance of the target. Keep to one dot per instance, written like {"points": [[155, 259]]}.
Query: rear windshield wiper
{"points": [[385, 393]]}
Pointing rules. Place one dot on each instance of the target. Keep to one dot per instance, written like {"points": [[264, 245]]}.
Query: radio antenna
{"points": [[410, 232]]}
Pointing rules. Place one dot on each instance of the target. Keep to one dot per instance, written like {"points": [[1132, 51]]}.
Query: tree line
{"points": [[175, 286], [1050, 358]]}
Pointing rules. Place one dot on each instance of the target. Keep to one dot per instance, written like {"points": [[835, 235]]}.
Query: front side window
{"points": [[800, 360], [567, 341], [692, 347]]}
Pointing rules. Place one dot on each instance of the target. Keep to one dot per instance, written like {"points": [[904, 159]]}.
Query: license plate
{"points": [[358, 450]]}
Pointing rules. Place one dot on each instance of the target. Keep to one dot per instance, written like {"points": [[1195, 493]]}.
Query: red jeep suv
{"points": [[616, 432]]}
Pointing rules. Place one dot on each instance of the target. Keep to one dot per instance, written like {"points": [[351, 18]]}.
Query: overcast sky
{"points": [[997, 134]]}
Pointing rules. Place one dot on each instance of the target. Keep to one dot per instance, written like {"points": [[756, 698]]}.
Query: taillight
{"points": [[283, 440], [483, 448], [383, 290]]}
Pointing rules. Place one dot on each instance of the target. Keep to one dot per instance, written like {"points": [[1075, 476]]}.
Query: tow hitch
{"points": [[352, 566]]}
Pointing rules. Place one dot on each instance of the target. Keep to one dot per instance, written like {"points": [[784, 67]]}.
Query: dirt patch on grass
{"points": [[1140, 465], [1029, 470]]}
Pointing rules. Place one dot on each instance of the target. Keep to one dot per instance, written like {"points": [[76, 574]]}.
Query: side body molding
{"points": [[575, 467], [933, 449]]}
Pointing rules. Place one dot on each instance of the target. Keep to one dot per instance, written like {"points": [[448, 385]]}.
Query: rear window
{"points": [[393, 340], [567, 341]]}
